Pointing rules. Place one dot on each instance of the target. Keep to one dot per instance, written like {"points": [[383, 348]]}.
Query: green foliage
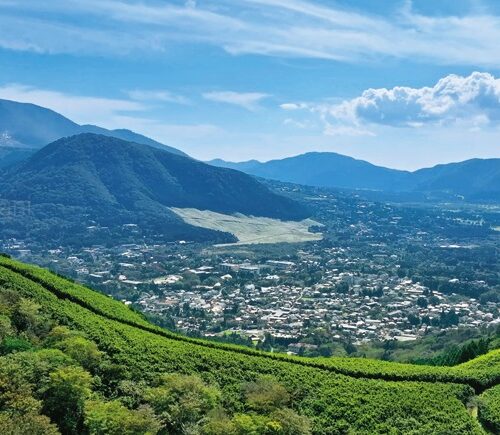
{"points": [[182, 401], [266, 394], [459, 354], [112, 418], [218, 422], [290, 423], [84, 351], [5, 326], [337, 395], [65, 396], [19, 410], [14, 344], [30, 423], [489, 409], [250, 424]]}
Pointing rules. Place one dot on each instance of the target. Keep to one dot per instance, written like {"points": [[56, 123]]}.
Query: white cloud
{"points": [[168, 133], [299, 124], [472, 101], [292, 106], [109, 113], [343, 130], [290, 28], [157, 95], [453, 97], [81, 109], [247, 100]]}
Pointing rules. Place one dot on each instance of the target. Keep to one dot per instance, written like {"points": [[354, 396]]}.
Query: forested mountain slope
{"points": [[79, 185], [241, 388]]}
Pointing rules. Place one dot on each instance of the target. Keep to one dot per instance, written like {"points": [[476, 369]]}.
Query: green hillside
{"points": [[89, 188], [243, 391]]}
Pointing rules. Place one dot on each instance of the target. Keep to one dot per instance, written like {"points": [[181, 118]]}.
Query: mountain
{"points": [[477, 179], [323, 170], [25, 128], [88, 181], [76, 361]]}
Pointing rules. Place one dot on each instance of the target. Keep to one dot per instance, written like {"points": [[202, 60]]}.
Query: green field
{"points": [[251, 229], [339, 395]]}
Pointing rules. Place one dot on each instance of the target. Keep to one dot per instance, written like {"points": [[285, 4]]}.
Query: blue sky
{"points": [[405, 84]]}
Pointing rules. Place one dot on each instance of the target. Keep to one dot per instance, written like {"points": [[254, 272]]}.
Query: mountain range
{"points": [[26, 128], [78, 185], [476, 179]]}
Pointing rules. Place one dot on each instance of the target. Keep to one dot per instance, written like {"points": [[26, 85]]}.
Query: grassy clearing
{"points": [[251, 229]]}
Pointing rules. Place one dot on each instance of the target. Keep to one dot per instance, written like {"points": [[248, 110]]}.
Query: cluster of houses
{"points": [[355, 297], [255, 299]]}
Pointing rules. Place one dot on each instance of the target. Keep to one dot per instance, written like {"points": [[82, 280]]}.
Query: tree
{"points": [[342, 287], [249, 424], [218, 423], [422, 302], [434, 300], [19, 410], [112, 418], [26, 316], [31, 423], [182, 402], [291, 423], [65, 396], [84, 351], [13, 345], [265, 394], [5, 327]]}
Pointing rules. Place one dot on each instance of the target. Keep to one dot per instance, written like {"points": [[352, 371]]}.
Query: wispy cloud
{"points": [[157, 95], [247, 100], [473, 100], [110, 113], [291, 28], [82, 109]]}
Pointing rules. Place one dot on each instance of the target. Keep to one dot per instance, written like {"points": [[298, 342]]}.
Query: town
{"points": [[381, 273]]}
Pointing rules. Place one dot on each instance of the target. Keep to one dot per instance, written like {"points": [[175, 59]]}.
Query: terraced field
{"points": [[340, 395]]}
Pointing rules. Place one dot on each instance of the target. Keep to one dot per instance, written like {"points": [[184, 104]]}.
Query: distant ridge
{"points": [[25, 128], [92, 180], [476, 179]]}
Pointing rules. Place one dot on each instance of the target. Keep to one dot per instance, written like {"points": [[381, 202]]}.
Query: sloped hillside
{"points": [[98, 181], [323, 396], [29, 126], [26, 128]]}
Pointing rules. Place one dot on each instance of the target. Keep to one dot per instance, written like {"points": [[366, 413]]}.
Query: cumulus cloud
{"points": [[452, 97], [247, 100], [474, 99]]}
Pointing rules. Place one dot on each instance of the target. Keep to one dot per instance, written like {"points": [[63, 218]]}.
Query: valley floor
{"points": [[251, 229]]}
